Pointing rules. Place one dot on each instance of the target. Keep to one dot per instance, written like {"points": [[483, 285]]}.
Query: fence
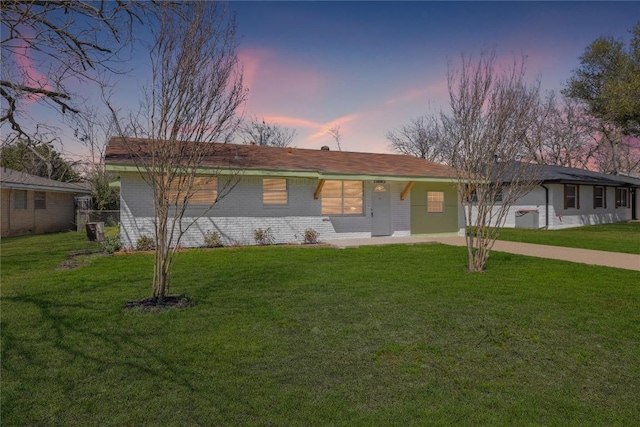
{"points": [[110, 218]]}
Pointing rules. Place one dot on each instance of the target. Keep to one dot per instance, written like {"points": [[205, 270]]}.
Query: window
{"points": [[342, 198], [599, 197], [622, 198], [274, 191], [571, 196], [40, 200], [435, 202], [204, 191], [20, 199]]}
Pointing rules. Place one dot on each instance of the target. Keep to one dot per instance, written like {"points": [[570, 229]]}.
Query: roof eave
{"points": [[299, 174], [36, 187]]}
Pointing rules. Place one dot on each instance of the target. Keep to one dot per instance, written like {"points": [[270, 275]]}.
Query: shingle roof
{"points": [[561, 174], [14, 179], [323, 162]]}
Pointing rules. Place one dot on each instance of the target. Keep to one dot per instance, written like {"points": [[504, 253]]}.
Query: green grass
{"points": [[396, 335], [620, 237]]}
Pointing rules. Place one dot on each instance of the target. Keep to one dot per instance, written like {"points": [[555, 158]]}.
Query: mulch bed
{"points": [[150, 305]]}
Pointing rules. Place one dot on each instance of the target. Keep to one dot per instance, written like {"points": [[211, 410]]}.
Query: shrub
{"points": [[263, 237], [112, 244], [111, 222], [212, 239], [145, 243], [236, 244], [311, 236]]}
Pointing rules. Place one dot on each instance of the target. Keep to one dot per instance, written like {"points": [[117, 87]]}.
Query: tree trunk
{"points": [[161, 255]]}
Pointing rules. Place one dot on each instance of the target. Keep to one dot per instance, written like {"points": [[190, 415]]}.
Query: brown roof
{"points": [[323, 162]]}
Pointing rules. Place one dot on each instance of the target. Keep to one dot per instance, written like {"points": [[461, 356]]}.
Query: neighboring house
{"points": [[338, 194], [568, 197], [36, 205]]}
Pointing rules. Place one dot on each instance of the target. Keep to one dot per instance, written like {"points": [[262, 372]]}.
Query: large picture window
{"points": [[435, 202], [20, 199], [622, 198], [599, 197], [571, 196], [204, 191], [40, 200], [274, 191], [342, 198]]}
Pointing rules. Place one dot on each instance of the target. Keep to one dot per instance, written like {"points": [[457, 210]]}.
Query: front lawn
{"points": [[393, 335], [620, 237]]}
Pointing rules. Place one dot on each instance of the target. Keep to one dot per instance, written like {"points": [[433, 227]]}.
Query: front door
{"points": [[381, 210]]}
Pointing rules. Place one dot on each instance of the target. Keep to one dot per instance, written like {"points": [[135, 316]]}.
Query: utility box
{"points": [[95, 231], [527, 218]]}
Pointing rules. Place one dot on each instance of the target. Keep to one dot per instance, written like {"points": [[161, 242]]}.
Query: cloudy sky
{"points": [[370, 67]]}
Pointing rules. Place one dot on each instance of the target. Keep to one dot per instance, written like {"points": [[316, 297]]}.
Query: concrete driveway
{"points": [[583, 256]]}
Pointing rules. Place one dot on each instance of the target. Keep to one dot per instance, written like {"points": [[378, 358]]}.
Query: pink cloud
{"points": [[272, 77], [250, 60], [32, 77], [319, 129], [292, 122], [436, 90], [325, 127]]}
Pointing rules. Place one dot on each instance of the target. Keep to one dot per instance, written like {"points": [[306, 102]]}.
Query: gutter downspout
{"points": [[546, 206]]}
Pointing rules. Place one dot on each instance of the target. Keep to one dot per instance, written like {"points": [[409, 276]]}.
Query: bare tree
{"points": [[93, 130], [262, 133], [491, 112], [421, 138], [615, 153], [561, 134], [195, 90], [335, 133], [73, 41]]}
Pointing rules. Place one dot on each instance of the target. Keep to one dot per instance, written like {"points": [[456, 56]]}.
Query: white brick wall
{"points": [[565, 218], [560, 217], [241, 212]]}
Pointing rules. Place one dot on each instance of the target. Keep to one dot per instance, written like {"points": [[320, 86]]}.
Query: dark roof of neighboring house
{"points": [[10, 178], [551, 174], [254, 157], [559, 174]]}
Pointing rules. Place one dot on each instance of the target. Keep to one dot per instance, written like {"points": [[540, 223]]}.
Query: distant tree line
{"points": [[593, 122]]}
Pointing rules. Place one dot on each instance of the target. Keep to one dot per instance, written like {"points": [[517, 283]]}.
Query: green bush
{"points": [[263, 237], [145, 243], [212, 239], [111, 244], [311, 236]]}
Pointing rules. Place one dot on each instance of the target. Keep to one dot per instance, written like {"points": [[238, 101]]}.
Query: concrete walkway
{"points": [[583, 256]]}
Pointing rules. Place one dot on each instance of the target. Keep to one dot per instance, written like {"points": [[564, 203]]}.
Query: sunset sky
{"points": [[372, 66]]}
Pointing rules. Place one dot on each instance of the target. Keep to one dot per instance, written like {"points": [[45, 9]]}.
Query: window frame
{"points": [[172, 193], [342, 198], [622, 202], [576, 197], [23, 206], [266, 191], [37, 199], [602, 197], [431, 204]]}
